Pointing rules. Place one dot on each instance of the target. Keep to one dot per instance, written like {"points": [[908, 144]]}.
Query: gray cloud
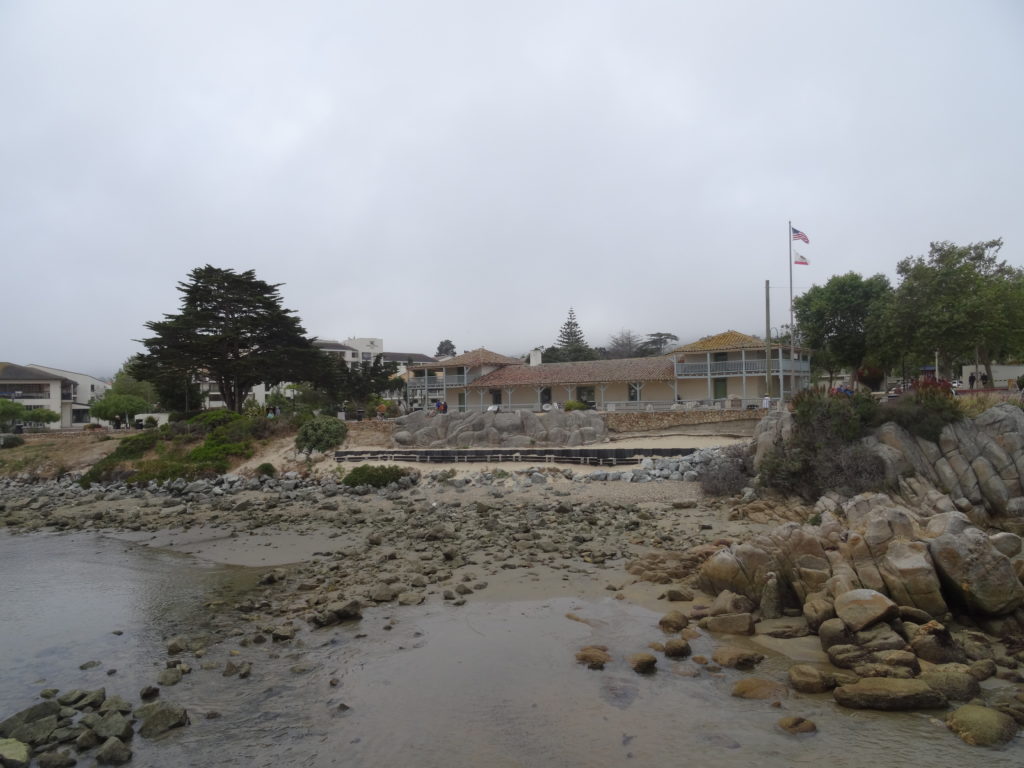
{"points": [[463, 170]]}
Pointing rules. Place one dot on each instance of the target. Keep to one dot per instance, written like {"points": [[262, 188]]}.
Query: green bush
{"points": [[321, 433], [924, 411], [219, 453], [374, 475], [823, 453], [209, 420], [150, 422], [266, 468], [11, 441], [574, 405]]}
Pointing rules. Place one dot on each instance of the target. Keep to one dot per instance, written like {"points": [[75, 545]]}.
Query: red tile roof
{"points": [[588, 372], [720, 342], [474, 359]]}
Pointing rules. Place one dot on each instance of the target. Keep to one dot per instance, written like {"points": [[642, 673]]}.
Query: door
{"points": [[721, 388]]}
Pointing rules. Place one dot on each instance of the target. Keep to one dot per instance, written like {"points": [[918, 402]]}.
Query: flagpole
{"points": [[792, 369]]}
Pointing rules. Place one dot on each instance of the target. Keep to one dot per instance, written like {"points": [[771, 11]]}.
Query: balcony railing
{"points": [[727, 368], [436, 382]]}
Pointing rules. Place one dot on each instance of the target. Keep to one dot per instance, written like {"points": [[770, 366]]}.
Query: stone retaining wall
{"points": [[643, 421]]}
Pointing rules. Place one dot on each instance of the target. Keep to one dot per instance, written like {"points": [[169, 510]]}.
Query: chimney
{"points": [[535, 356]]}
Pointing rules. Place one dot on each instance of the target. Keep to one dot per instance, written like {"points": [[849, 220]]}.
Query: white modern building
{"points": [[65, 392]]}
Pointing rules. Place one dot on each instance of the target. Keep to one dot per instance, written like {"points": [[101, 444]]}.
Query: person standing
{"points": [[971, 380]]}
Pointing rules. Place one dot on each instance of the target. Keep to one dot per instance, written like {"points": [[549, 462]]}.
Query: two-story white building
{"points": [[64, 392]]}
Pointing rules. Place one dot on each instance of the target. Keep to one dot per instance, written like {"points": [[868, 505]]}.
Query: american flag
{"points": [[798, 235]]}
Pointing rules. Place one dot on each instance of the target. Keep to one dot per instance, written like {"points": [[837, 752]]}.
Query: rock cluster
{"points": [[70, 725], [977, 467]]}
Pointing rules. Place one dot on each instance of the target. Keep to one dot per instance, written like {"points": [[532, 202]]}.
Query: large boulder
{"points": [[889, 694], [978, 576], [862, 608], [981, 726]]}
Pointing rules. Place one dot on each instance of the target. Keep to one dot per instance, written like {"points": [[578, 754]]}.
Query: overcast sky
{"points": [[469, 170]]}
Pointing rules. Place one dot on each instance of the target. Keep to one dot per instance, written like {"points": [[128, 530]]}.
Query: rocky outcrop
{"points": [[516, 429], [933, 564], [977, 467]]}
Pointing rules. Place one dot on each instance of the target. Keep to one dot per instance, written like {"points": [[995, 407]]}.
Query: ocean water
{"points": [[486, 684]]}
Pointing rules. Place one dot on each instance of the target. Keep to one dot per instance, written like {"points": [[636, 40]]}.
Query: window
{"points": [[634, 391], [366, 356], [585, 395], [495, 397], [545, 396]]}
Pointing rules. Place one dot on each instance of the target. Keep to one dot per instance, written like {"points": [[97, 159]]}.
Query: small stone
{"points": [[673, 621], [55, 760], [758, 688], [736, 658], [643, 663], [113, 752], [594, 656], [796, 725], [677, 648], [170, 676]]}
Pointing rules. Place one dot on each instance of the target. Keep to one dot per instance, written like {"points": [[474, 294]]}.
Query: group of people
{"points": [[971, 380], [441, 406]]}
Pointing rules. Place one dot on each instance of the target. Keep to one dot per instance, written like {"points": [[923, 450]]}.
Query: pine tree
{"points": [[570, 335]]}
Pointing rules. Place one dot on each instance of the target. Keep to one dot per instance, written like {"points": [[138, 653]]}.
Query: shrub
{"points": [[823, 453], [374, 475], [11, 441], [924, 411], [266, 468], [724, 478], [219, 453], [321, 433], [574, 405], [209, 420], [150, 422], [91, 427]]}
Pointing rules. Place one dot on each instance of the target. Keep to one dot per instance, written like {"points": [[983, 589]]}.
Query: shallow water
{"points": [[488, 683]]}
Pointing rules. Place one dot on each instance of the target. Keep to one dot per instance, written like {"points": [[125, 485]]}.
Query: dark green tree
{"points": [[570, 346], [959, 300], [233, 329], [835, 319], [355, 385], [445, 348], [571, 335]]}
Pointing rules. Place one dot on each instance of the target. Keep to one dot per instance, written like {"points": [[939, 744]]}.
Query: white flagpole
{"points": [[792, 368]]}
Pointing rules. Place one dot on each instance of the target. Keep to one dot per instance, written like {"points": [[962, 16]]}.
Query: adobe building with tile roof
{"points": [[727, 370], [733, 365]]}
